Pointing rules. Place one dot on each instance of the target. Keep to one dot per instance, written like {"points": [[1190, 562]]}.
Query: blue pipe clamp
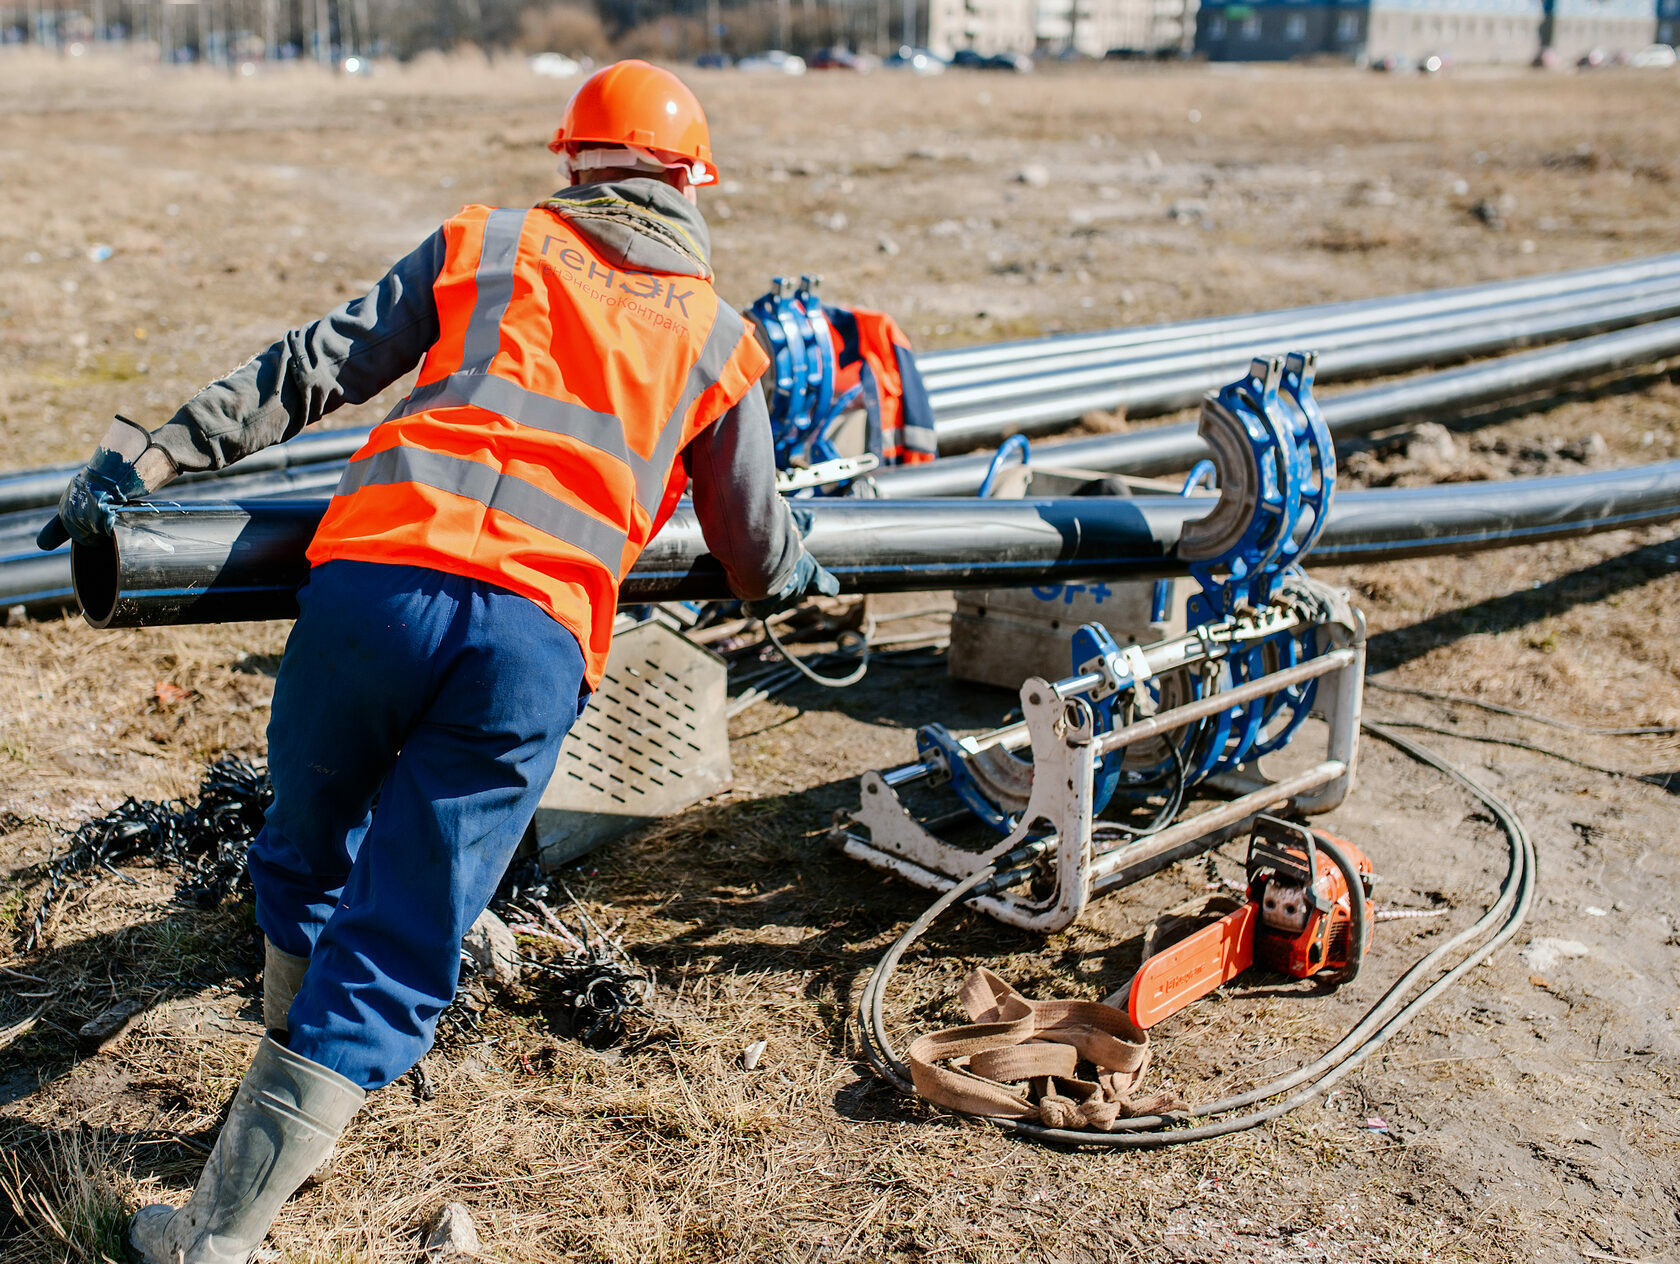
{"points": [[803, 407]]}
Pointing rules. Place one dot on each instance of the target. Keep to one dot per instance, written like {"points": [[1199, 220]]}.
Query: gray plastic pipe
{"points": [[1179, 380], [1167, 449], [1307, 323], [941, 364]]}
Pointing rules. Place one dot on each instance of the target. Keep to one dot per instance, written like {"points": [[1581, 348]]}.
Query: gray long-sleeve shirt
{"points": [[361, 347]]}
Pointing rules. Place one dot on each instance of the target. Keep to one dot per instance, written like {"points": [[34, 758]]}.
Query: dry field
{"points": [[1531, 1114]]}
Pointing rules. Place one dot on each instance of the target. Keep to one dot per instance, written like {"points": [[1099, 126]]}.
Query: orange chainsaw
{"points": [[1306, 905]]}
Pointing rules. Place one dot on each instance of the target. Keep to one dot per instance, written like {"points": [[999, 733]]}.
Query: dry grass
{"points": [[66, 1200], [1293, 186]]}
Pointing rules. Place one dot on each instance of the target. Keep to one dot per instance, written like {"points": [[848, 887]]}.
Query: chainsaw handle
{"points": [[1358, 913]]}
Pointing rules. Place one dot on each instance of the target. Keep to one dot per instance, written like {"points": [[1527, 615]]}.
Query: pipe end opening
{"points": [[93, 575]]}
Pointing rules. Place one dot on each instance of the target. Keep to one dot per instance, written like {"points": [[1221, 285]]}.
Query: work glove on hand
{"points": [[808, 577], [124, 467]]}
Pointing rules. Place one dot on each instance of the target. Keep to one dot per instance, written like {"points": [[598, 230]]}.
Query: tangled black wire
{"points": [[597, 993], [206, 839]]}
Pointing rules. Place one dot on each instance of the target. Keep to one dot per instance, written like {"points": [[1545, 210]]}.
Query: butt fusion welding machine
{"points": [[1136, 726]]}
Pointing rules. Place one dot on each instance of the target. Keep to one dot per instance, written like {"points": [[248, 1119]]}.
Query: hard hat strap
{"points": [[632, 157]]}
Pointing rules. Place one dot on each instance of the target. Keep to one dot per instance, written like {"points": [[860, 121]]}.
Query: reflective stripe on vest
{"points": [[872, 351], [556, 501], [494, 279], [501, 492], [603, 432]]}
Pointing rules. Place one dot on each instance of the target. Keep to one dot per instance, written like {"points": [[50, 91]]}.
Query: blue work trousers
{"points": [[445, 699]]}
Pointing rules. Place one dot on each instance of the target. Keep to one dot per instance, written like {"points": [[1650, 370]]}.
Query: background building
{"points": [[1091, 27], [1459, 30], [986, 26], [1575, 27]]}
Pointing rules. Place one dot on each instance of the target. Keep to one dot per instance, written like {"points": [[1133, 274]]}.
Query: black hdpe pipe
{"points": [[1178, 380], [1040, 397], [1167, 449], [213, 563], [40, 582], [22, 526]]}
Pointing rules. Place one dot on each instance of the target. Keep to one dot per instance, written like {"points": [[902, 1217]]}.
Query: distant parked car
{"points": [[1593, 60], [713, 61], [841, 58], [554, 66], [1654, 57], [1433, 64], [920, 60], [774, 61], [1066, 53], [1393, 64], [968, 59]]}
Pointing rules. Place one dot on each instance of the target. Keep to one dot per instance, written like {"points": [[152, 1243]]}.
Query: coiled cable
{"points": [[1386, 1017]]}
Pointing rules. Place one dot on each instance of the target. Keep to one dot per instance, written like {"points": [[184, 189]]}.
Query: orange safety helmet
{"points": [[633, 104]]}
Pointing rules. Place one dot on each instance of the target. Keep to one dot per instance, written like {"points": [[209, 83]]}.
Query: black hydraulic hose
{"points": [[1381, 1022], [197, 563], [815, 677], [1168, 449]]}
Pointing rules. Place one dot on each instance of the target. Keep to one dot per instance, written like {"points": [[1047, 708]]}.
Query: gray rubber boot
{"points": [[282, 976], [285, 1117]]}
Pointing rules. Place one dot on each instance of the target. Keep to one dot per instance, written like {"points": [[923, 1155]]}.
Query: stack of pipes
{"points": [[981, 395]]}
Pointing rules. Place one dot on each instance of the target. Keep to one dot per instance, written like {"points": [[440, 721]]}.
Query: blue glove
{"points": [[807, 577], [109, 478]]}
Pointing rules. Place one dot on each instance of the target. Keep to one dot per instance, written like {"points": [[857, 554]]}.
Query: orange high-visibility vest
{"points": [[870, 350], [538, 450]]}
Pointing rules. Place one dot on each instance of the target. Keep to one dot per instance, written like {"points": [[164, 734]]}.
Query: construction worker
{"points": [[579, 370]]}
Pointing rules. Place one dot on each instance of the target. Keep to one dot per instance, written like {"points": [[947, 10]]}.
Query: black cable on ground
{"points": [[827, 682], [1381, 1022], [1656, 779], [1569, 726], [205, 838], [1168, 810]]}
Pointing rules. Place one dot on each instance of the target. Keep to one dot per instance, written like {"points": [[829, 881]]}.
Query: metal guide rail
{"points": [[1134, 727]]}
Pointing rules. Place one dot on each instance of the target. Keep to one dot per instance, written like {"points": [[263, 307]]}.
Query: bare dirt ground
{"points": [[1531, 1114]]}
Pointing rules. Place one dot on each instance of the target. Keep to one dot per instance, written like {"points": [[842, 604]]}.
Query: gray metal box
{"points": [[653, 740], [1001, 636]]}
